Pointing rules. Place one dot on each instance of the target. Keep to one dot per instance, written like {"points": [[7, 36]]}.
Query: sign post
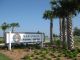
{"points": [[9, 45]]}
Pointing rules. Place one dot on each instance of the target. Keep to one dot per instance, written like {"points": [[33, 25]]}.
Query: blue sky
{"points": [[29, 15]]}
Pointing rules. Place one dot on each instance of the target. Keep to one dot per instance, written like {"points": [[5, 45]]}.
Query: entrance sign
{"points": [[24, 37]]}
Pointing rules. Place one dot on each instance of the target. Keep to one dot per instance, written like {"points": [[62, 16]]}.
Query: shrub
{"points": [[27, 58], [48, 58], [37, 53], [57, 58], [40, 58], [32, 55], [70, 54], [36, 57], [44, 51], [59, 55], [52, 55], [58, 43], [78, 50], [42, 55]]}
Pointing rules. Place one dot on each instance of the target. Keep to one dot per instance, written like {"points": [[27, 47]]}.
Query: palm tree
{"points": [[70, 8], [62, 22], [4, 27], [70, 34], [60, 28], [13, 25], [49, 15]]}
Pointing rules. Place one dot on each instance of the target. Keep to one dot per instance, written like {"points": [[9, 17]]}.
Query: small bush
{"points": [[78, 50], [53, 50], [52, 55], [70, 54], [32, 55], [58, 43], [41, 58], [27, 58], [36, 57], [37, 53], [42, 55], [48, 58], [59, 55], [57, 58]]}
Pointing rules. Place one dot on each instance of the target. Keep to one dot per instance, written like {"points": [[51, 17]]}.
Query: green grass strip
{"points": [[3, 57]]}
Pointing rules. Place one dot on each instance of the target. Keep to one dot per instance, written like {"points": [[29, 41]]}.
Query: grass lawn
{"points": [[3, 57]]}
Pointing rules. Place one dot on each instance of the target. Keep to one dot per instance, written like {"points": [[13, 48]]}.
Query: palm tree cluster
{"points": [[6, 26], [13, 25], [64, 10]]}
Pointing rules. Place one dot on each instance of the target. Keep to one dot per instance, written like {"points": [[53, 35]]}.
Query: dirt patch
{"points": [[16, 54]]}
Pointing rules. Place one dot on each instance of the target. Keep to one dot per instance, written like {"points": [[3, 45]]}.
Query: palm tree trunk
{"points": [[60, 24], [70, 41], [64, 32], [51, 31]]}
